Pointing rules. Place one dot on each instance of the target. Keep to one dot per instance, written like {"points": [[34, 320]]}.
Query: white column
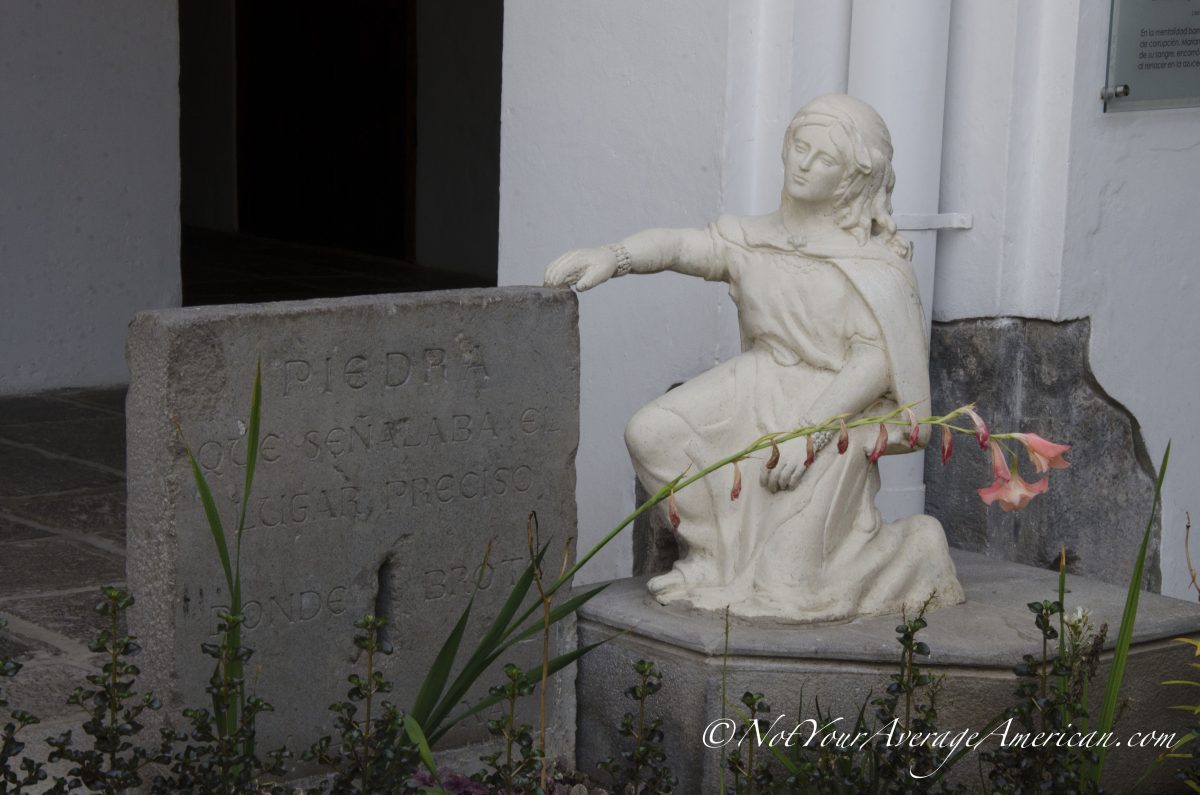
{"points": [[897, 65]]}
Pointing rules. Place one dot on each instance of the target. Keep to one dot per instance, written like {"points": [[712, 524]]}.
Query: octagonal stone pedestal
{"points": [[974, 646]]}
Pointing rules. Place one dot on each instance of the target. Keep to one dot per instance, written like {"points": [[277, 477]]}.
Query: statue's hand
{"points": [[788, 470], [583, 268]]}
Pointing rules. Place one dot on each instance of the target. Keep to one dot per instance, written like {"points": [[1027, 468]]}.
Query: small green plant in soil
{"points": [[642, 768], [28, 772], [517, 765], [372, 750], [114, 762], [750, 772]]}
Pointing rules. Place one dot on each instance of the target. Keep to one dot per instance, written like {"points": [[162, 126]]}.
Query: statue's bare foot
{"points": [[665, 586]]}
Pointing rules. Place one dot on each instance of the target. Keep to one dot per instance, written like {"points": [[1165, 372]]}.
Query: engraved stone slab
{"points": [[400, 435]]}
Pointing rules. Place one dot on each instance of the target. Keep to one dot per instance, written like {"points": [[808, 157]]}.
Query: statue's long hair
{"points": [[864, 197]]}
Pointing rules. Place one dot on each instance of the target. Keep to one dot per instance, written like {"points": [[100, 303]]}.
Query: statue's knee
{"points": [[653, 432]]}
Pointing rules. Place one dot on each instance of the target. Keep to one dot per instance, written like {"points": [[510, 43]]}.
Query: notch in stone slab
{"points": [[384, 598]]}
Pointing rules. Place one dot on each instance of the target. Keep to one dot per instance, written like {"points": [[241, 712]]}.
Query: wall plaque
{"points": [[1153, 55]]}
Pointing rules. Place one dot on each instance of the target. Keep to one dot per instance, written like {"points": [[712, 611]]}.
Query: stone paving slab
{"points": [[26, 472], [98, 440], [70, 614], [49, 564], [110, 400], [45, 407], [43, 685], [15, 530], [13, 646], [101, 513], [62, 532]]}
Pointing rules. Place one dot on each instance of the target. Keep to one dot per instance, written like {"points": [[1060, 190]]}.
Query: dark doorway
{"points": [[326, 123], [302, 172]]}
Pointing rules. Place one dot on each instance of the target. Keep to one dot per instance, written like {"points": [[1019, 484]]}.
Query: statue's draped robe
{"points": [[819, 552]]}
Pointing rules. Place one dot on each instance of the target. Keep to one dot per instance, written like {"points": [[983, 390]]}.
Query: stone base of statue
{"points": [[974, 647]]}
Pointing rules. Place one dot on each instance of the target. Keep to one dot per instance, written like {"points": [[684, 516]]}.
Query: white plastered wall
{"points": [[89, 184], [617, 115], [1078, 213], [1131, 250]]}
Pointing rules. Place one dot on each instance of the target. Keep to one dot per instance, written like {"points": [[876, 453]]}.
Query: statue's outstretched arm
{"points": [[687, 251]]}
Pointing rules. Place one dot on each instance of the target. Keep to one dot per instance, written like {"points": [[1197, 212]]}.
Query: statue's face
{"points": [[813, 169]]}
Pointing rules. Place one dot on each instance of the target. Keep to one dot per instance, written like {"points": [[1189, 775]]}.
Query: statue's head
{"points": [[863, 198]]}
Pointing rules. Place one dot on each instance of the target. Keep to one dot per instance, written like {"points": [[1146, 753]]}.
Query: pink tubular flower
{"points": [[914, 429], [843, 437], [810, 451], [673, 512], [1014, 493], [1043, 454], [947, 444], [737, 482], [880, 444], [981, 431], [999, 464]]}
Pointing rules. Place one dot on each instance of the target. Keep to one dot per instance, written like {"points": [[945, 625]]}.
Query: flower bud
{"points": [[981, 431], [843, 437], [810, 451], [737, 482], [914, 430], [947, 443], [773, 461], [672, 511], [880, 444]]}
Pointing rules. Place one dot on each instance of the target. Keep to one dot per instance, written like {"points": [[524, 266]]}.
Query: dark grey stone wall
{"points": [[655, 546], [1034, 376]]}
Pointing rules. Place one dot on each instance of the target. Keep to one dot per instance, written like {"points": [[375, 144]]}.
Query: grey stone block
{"points": [[1033, 375], [401, 435], [974, 646]]}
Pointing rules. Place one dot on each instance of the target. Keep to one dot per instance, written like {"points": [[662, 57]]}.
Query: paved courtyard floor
{"points": [[62, 537]]}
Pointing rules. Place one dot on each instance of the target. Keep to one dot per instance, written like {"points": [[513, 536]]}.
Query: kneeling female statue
{"points": [[831, 324]]}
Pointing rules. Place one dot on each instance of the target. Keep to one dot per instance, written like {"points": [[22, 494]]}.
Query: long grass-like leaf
{"points": [[557, 614], [252, 432], [413, 729], [534, 673], [439, 672], [1153, 767], [210, 511], [486, 650], [1112, 690]]}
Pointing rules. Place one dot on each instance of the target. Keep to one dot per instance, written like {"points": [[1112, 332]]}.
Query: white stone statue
{"points": [[831, 323]]}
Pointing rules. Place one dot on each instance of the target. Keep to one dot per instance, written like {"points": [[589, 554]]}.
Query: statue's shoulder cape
{"points": [[886, 283]]}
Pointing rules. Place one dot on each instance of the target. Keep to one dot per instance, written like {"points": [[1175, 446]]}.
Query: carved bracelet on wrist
{"points": [[624, 261]]}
